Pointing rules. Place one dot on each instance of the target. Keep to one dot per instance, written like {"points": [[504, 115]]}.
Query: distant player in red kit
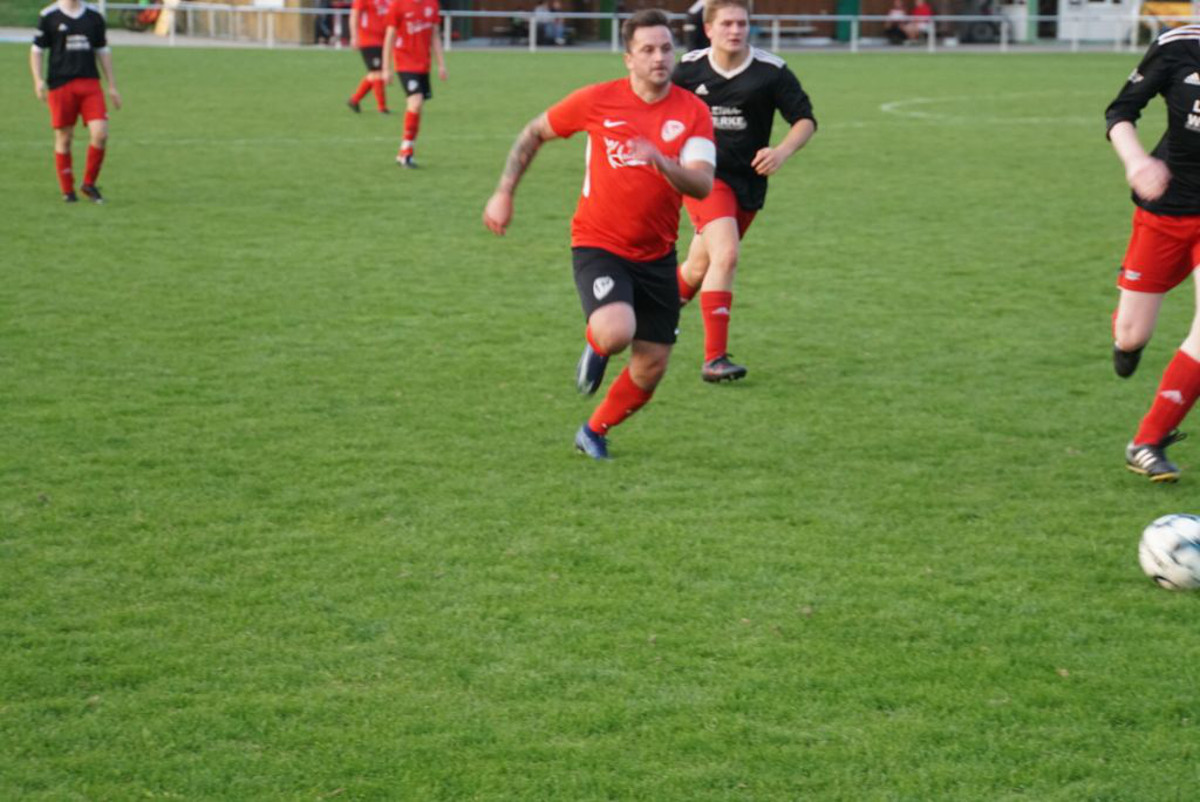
{"points": [[744, 87], [412, 35], [368, 21], [648, 144], [76, 37]]}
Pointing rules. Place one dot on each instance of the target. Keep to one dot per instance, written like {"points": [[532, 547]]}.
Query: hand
{"points": [[442, 71], [1148, 178], [39, 89], [766, 161], [643, 150], [386, 76], [115, 97], [498, 212]]}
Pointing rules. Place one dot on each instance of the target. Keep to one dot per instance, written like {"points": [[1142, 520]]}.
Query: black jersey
{"points": [[743, 104], [72, 41], [1171, 68]]}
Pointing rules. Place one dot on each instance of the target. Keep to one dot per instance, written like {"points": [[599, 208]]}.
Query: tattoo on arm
{"points": [[522, 153]]}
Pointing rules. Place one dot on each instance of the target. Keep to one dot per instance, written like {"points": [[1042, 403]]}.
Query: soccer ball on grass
{"points": [[1170, 551]]}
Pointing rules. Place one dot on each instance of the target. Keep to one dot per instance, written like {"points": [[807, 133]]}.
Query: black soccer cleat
{"points": [[1150, 459], [722, 369], [92, 192], [591, 444], [1126, 362], [354, 106], [70, 197], [589, 372], [407, 162]]}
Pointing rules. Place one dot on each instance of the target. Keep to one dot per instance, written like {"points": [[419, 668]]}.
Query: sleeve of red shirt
{"points": [[437, 14], [570, 115], [395, 14]]}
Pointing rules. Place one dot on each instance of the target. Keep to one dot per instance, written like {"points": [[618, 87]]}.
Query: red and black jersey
{"points": [[73, 43], [743, 104], [1171, 68]]}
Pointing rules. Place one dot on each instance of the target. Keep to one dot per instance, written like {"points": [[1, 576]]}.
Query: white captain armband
{"points": [[698, 149]]}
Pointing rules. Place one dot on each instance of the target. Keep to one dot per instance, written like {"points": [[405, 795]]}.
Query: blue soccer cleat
{"points": [[589, 373], [591, 444]]}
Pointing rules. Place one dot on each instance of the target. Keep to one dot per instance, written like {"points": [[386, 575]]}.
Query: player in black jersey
{"points": [[1165, 246], [76, 36], [743, 86]]}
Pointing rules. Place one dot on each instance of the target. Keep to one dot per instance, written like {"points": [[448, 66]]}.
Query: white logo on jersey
{"points": [[1136, 77], [671, 129], [603, 286], [428, 11], [413, 86], [614, 123], [1174, 396], [62, 26], [618, 154], [701, 90], [728, 118]]}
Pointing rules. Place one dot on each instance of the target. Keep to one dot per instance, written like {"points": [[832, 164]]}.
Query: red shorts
{"points": [[79, 96], [1163, 251], [721, 202]]}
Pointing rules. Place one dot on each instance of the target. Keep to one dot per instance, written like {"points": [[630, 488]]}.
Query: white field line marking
{"points": [[914, 109]]}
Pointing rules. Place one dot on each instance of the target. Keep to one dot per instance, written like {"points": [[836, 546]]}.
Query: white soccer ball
{"points": [[1170, 551]]}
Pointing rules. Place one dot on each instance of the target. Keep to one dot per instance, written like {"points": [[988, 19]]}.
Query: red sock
{"points": [[686, 291], [66, 178], [592, 342], [624, 398], [380, 90], [714, 308], [364, 86], [1178, 390], [412, 124], [95, 158]]}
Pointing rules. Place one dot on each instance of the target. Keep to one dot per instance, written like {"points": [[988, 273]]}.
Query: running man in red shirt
{"points": [[411, 36], [649, 143], [76, 36], [367, 25]]}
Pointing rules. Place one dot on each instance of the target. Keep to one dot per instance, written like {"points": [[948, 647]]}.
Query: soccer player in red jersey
{"points": [[76, 37], [367, 26], [1164, 248], [744, 86], [411, 36], [648, 144]]}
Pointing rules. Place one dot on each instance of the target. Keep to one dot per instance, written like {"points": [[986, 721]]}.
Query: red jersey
{"points": [[626, 206], [416, 23], [372, 21]]}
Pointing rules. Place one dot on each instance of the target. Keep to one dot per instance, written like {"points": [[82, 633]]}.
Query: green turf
{"points": [[288, 508], [22, 13]]}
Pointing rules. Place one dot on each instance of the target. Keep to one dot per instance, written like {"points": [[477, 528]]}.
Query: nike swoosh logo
{"points": [[614, 123]]}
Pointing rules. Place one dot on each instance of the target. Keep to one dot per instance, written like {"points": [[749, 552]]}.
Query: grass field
{"points": [[288, 507]]}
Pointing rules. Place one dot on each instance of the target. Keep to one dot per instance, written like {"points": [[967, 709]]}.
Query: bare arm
{"points": [[1147, 176], [35, 67], [354, 12], [438, 54], [389, 43], [105, 60], [769, 160], [693, 178], [499, 209]]}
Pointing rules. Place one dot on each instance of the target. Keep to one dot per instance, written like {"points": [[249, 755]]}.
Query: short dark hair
{"points": [[646, 18]]}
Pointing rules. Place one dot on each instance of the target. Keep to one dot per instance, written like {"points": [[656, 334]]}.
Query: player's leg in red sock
{"points": [[624, 398], [380, 89], [364, 86], [715, 307]]}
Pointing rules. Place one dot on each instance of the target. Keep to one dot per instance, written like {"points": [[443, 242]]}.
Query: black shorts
{"points": [[372, 57], [416, 83], [651, 288]]}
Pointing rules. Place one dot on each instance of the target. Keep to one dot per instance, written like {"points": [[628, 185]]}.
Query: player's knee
{"points": [[1131, 335], [724, 262], [612, 339]]}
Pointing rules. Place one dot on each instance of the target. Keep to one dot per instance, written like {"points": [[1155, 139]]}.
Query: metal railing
{"points": [[258, 23]]}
